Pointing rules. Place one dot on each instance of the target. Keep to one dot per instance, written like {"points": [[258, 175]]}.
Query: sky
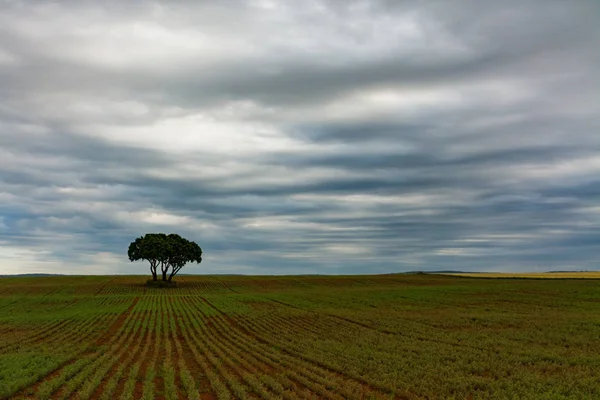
{"points": [[301, 137]]}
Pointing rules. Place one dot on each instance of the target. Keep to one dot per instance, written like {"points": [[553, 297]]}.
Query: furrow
{"points": [[112, 379], [201, 379], [242, 369], [231, 376], [219, 388], [286, 369], [184, 377], [86, 387], [149, 370], [130, 389], [159, 378], [47, 330], [289, 351], [65, 375], [170, 362]]}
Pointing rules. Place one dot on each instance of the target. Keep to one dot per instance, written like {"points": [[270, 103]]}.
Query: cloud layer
{"points": [[301, 137]]}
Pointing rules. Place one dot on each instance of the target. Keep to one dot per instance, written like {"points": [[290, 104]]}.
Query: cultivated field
{"points": [[532, 275], [361, 337]]}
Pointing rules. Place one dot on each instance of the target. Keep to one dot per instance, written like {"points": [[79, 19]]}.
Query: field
{"points": [[317, 337], [532, 275]]}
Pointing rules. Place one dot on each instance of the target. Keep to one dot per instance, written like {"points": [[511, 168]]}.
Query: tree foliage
{"points": [[169, 252]]}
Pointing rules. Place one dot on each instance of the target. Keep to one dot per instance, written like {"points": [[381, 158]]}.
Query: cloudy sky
{"points": [[291, 137]]}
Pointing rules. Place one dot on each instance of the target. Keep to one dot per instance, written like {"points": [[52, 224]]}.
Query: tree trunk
{"points": [[164, 267], [153, 265], [172, 275], [174, 272]]}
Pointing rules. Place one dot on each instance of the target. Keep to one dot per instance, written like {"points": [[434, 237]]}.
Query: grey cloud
{"points": [[502, 177]]}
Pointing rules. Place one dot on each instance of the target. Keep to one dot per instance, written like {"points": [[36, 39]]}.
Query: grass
{"points": [[338, 337], [533, 275]]}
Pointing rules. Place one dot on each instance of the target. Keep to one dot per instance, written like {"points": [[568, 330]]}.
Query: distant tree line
{"points": [[170, 253]]}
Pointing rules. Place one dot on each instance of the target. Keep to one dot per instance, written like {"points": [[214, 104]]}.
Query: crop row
{"points": [[184, 346], [128, 285], [22, 333], [75, 372], [254, 365], [330, 342]]}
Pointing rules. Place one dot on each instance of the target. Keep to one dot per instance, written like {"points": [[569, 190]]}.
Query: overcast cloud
{"points": [[293, 137]]}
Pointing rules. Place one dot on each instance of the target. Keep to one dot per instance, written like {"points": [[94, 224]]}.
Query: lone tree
{"points": [[170, 252]]}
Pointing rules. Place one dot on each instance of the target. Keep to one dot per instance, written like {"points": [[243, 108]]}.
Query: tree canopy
{"points": [[171, 252]]}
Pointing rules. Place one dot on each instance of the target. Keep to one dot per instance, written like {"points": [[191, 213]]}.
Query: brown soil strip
{"points": [[9, 304], [256, 362], [125, 358], [114, 328], [203, 364], [149, 348], [295, 323], [159, 382], [366, 387], [38, 335], [102, 287], [27, 391], [174, 351], [203, 385], [292, 353], [148, 362], [385, 332], [227, 344], [229, 287], [56, 372], [340, 318]]}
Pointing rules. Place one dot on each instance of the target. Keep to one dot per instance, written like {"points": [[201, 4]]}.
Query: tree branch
{"points": [[174, 272]]}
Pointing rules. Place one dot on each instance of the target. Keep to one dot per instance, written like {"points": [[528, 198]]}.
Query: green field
{"points": [[319, 337], [531, 275]]}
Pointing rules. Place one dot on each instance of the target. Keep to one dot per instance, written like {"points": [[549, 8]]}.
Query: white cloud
{"points": [[329, 134]]}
